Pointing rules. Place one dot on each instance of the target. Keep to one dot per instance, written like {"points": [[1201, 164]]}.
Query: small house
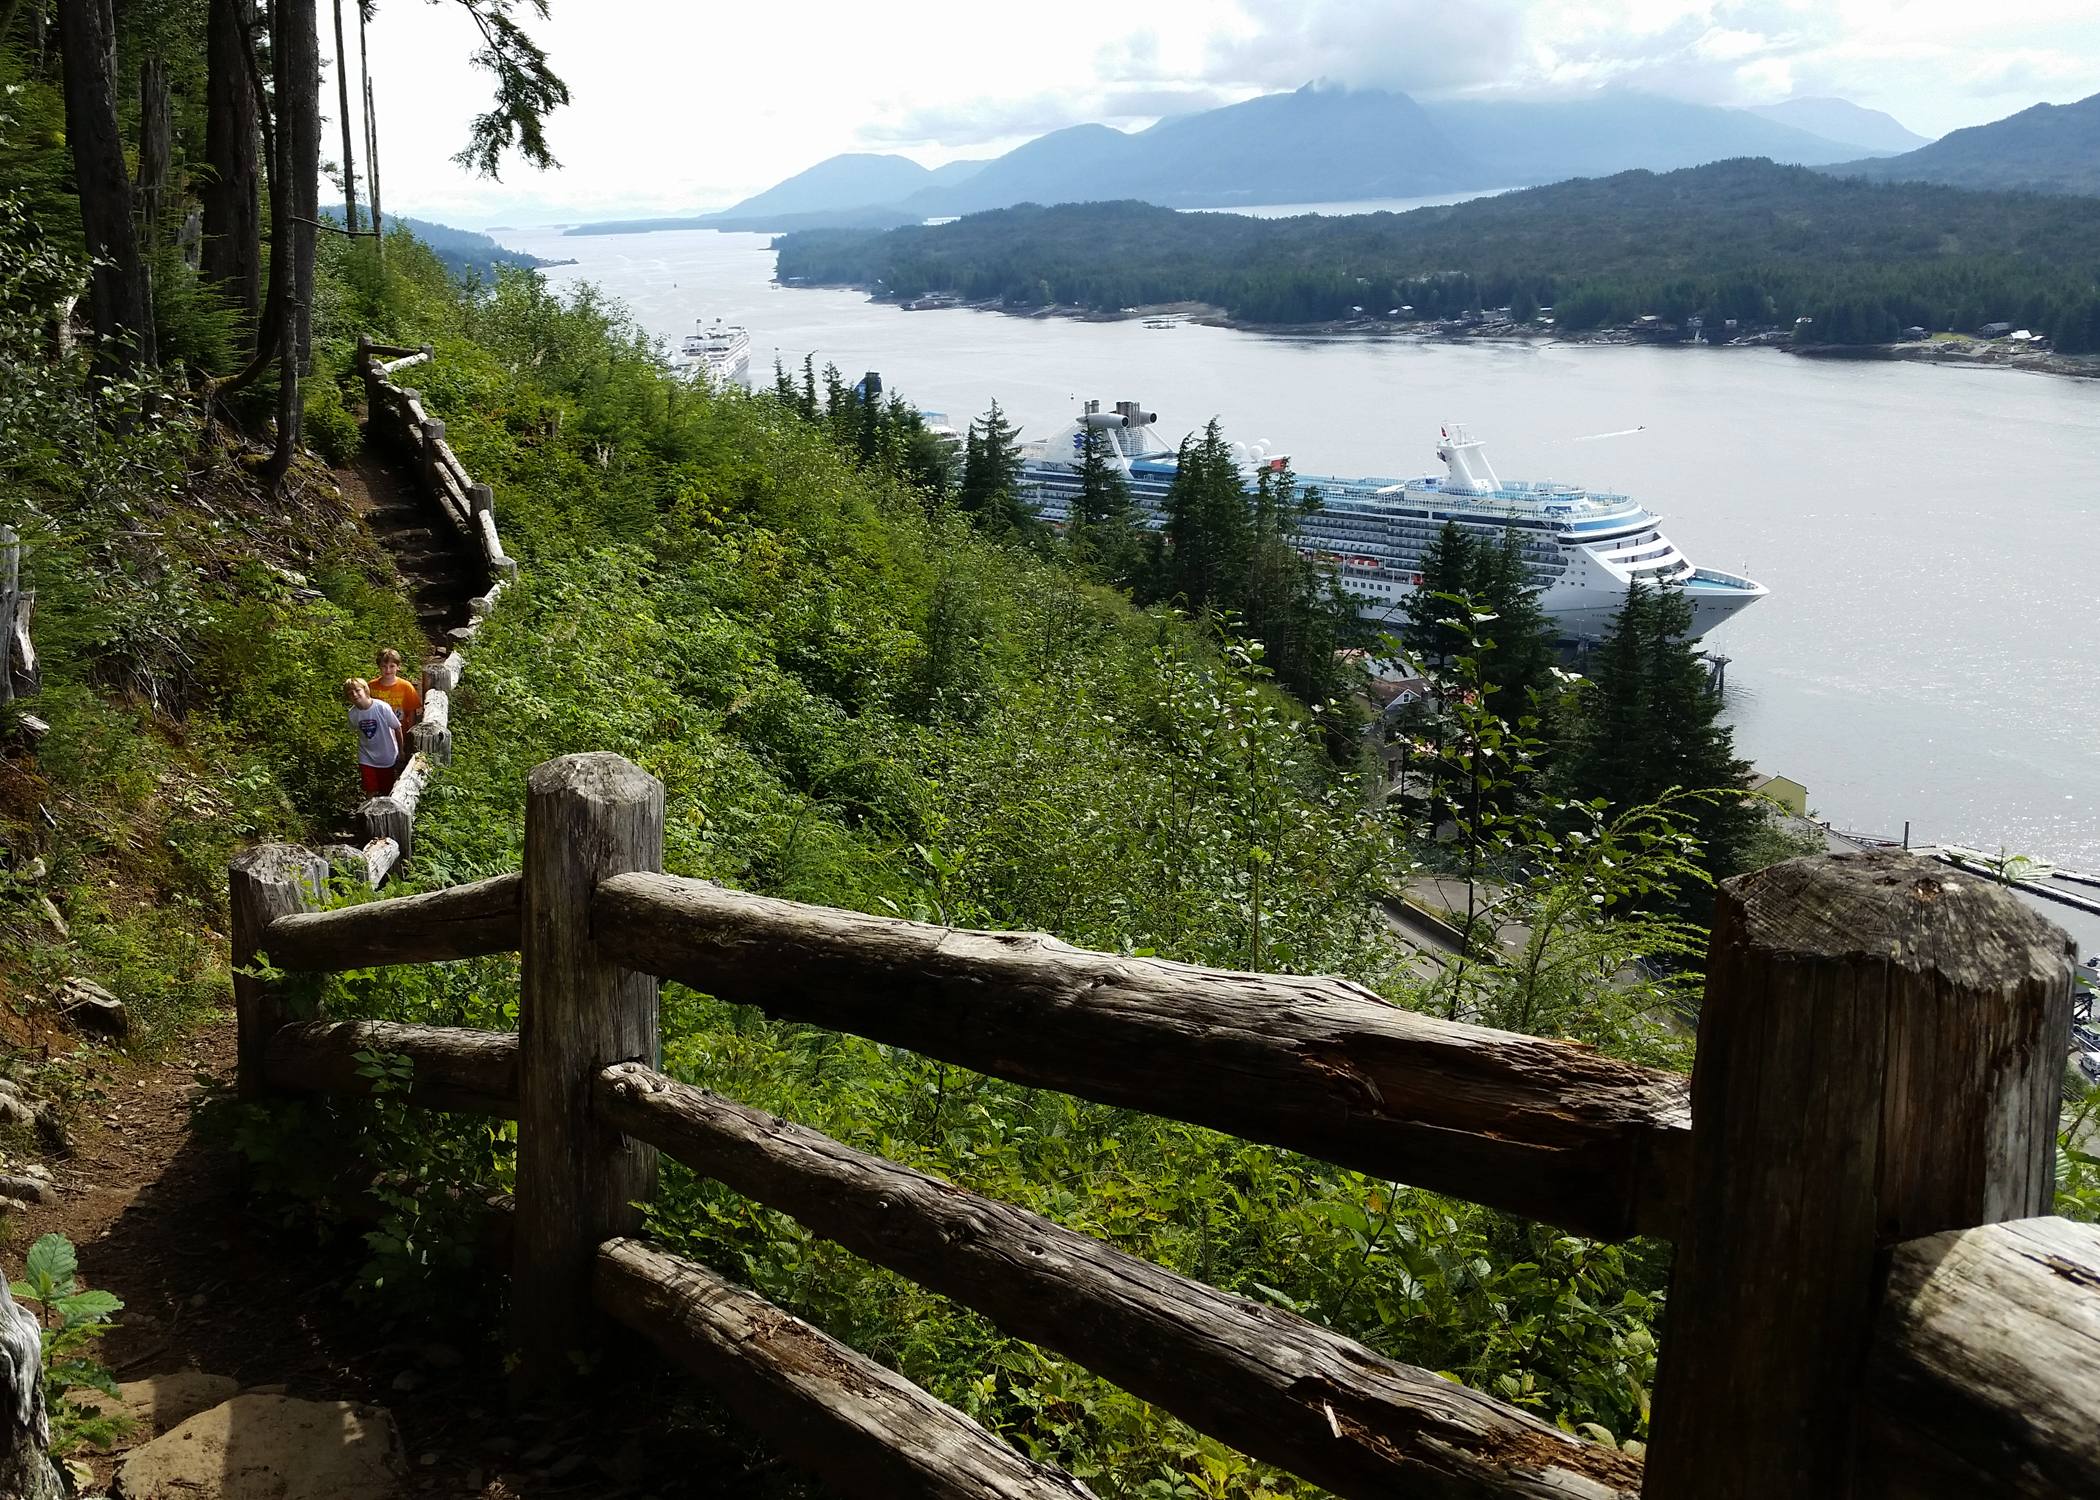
{"points": [[1787, 792]]}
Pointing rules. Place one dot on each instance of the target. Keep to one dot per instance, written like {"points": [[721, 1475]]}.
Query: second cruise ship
{"points": [[1583, 546]]}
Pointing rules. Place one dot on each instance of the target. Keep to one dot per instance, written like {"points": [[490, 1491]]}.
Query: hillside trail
{"points": [[437, 565], [215, 1281], [212, 1282]]}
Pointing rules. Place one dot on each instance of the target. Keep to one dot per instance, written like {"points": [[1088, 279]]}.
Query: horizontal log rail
{"points": [[1544, 1129], [865, 1430], [461, 921], [1272, 1384], [1985, 1374], [455, 1068], [1881, 1045]]}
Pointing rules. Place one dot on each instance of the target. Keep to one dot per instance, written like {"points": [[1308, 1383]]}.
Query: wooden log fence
{"points": [[1868, 1300], [395, 416]]}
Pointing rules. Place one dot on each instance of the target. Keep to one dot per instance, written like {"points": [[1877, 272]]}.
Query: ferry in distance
{"points": [[1583, 547], [719, 355]]}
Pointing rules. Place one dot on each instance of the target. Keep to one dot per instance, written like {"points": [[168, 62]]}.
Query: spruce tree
{"points": [[1210, 527], [1102, 531], [1647, 722], [991, 478], [1519, 663]]}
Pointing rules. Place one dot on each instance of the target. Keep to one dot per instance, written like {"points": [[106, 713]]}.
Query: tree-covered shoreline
{"points": [[1761, 244]]}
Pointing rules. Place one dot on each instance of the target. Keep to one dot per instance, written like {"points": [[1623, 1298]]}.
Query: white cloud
{"points": [[1410, 45], [679, 107]]}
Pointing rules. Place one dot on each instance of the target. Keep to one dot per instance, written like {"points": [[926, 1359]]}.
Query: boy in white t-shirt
{"points": [[378, 731]]}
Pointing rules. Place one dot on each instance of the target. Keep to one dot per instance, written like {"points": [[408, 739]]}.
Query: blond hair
{"points": [[355, 688]]}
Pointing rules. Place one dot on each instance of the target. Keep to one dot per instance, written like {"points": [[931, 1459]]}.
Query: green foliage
{"points": [[72, 1319], [991, 475], [1747, 240], [1648, 724], [858, 698], [1514, 658]]}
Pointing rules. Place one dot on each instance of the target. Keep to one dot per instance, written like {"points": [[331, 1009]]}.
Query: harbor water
{"points": [[1930, 652]]}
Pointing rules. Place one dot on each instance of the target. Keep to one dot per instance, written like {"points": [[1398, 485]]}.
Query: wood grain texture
{"points": [[472, 1072], [587, 817], [1879, 1057], [1271, 1384], [432, 735], [394, 815], [444, 677], [461, 921], [264, 883], [1985, 1375], [1323, 1066], [869, 1433]]}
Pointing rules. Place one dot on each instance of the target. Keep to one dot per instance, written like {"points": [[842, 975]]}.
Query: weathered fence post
{"points": [[264, 883], [1880, 1055], [586, 817]]}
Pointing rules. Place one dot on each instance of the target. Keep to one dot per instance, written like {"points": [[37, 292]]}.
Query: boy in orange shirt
{"points": [[397, 693]]}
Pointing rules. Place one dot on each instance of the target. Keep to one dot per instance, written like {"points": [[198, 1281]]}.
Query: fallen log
{"points": [[1540, 1128], [867, 1432], [1272, 1384]]}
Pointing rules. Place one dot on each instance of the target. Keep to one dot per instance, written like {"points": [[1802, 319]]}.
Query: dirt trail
{"points": [[440, 570], [211, 1283]]}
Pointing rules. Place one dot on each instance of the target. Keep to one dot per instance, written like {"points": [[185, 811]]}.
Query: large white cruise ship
{"points": [[1583, 546], [719, 355]]}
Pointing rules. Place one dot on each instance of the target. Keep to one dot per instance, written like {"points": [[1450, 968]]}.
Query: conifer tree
{"points": [[1103, 529], [1518, 664], [1647, 722], [991, 479], [1210, 528]]}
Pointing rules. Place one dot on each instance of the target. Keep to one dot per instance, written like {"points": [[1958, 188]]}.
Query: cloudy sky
{"points": [[681, 106]]}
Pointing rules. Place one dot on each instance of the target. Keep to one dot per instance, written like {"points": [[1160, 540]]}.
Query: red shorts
{"points": [[379, 780]]}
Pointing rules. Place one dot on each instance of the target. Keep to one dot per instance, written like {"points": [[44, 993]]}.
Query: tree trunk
{"points": [[342, 92], [364, 71], [232, 195], [156, 150], [118, 307], [26, 1473], [299, 115]]}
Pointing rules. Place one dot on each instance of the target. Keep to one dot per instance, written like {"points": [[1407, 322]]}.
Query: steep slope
{"points": [[850, 181], [1079, 163], [1518, 143], [2051, 148], [1843, 121]]}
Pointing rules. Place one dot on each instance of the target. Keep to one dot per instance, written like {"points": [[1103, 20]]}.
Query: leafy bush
{"points": [[72, 1319]]}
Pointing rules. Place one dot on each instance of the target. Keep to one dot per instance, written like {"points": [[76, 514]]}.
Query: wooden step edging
{"points": [[396, 414]]}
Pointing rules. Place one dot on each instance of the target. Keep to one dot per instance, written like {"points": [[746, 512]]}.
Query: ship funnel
{"points": [[1105, 419], [1466, 457], [1135, 418]]}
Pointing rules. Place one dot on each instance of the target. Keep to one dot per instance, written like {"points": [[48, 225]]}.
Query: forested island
{"points": [[1748, 241]]}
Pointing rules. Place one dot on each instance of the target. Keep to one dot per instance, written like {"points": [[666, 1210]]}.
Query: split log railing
{"points": [[395, 417], [1867, 1300]]}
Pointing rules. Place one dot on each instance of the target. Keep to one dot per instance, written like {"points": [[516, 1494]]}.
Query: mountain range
{"points": [[2051, 148], [1318, 144]]}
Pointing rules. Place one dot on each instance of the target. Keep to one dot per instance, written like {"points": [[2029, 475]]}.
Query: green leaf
{"points": [[52, 1264], [85, 1305]]}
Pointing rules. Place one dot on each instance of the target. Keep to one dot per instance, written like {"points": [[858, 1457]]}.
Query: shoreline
{"points": [[1957, 350]]}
